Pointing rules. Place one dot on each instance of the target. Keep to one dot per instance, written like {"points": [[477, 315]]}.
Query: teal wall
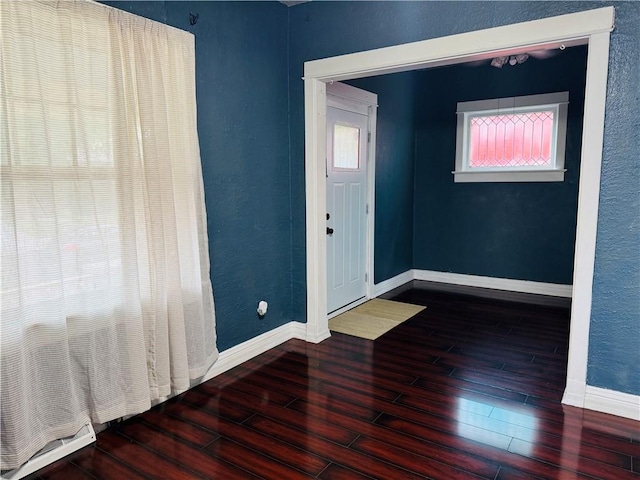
{"points": [[249, 64], [323, 29], [394, 171], [244, 143], [523, 231]]}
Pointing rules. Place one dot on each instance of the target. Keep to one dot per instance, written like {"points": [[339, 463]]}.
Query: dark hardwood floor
{"points": [[468, 388]]}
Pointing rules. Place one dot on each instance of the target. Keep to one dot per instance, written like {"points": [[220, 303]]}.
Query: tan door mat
{"points": [[373, 318]]}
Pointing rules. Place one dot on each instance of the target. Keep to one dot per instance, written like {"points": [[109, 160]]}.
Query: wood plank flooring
{"points": [[468, 388]]}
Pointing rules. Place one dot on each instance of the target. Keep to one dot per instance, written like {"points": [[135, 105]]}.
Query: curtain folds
{"points": [[106, 301]]}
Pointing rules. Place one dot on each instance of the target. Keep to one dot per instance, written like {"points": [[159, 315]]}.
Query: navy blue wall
{"points": [[244, 143], [254, 165], [393, 240], [523, 231], [614, 340], [322, 29]]}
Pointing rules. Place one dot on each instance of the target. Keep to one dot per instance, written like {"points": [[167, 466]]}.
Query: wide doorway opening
{"points": [[589, 28]]}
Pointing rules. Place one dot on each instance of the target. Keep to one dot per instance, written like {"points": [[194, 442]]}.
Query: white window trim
{"points": [[557, 102]]}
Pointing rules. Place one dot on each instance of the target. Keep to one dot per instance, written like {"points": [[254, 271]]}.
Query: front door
{"points": [[346, 207]]}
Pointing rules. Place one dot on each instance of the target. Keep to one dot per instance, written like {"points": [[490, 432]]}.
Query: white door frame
{"points": [[352, 99], [590, 27]]}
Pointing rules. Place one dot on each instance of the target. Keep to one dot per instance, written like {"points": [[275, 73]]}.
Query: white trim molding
{"points": [[591, 28], [393, 282], [609, 401], [509, 176], [587, 223], [352, 94], [557, 103], [227, 360], [52, 452], [508, 284], [551, 32], [253, 347]]}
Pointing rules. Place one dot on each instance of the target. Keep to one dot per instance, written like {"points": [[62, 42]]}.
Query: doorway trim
{"points": [[591, 28], [357, 100]]}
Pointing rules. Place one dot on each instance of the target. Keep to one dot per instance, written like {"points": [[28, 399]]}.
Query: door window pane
{"points": [[346, 147]]}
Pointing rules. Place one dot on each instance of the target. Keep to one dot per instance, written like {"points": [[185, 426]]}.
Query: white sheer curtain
{"points": [[106, 300]]}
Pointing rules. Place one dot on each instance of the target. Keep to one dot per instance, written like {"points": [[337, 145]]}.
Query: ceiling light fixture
{"points": [[498, 62]]}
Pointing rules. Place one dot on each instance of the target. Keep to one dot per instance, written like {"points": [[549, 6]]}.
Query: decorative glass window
{"points": [[346, 147], [516, 139]]}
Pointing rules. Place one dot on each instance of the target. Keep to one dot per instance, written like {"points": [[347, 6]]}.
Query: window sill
{"points": [[511, 176]]}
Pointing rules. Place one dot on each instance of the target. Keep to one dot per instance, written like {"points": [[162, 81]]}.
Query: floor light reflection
{"points": [[496, 426]]}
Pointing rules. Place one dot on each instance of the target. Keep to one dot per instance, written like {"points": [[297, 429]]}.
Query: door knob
{"points": [[329, 231]]}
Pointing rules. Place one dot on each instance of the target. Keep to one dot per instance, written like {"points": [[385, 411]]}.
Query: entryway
{"points": [[350, 170], [590, 27]]}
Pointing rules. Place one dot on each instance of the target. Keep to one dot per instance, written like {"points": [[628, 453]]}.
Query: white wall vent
{"points": [[53, 451]]}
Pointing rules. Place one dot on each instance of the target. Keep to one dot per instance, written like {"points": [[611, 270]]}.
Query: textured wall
{"points": [[254, 168], [322, 29], [524, 231], [244, 143], [614, 344], [394, 172]]}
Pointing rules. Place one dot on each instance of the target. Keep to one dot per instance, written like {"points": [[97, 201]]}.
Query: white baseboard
{"points": [[504, 284], [508, 284], [57, 450], [253, 347], [228, 359], [316, 338], [574, 393], [610, 401], [393, 282]]}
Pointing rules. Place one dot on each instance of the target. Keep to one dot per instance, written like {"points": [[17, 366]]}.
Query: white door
{"points": [[346, 207]]}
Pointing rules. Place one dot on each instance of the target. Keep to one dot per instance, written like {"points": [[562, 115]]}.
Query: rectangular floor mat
{"points": [[373, 318]]}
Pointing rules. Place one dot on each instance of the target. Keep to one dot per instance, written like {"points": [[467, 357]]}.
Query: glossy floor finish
{"points": [[468, 388]]}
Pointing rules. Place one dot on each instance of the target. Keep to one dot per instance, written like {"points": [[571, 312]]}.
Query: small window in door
{"points": [[346, 147]]}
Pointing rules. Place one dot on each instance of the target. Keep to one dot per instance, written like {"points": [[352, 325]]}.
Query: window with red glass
{"points": [[517, 139]]}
